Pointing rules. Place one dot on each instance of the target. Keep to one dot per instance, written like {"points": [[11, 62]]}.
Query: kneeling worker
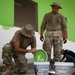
{"points": [[17, 48]]}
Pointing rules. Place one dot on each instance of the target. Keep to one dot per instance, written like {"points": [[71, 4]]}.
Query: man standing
{"points": [[17, 48], [55, 25]]}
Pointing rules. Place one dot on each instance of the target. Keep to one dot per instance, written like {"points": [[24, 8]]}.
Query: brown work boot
{"points": [[7, 71]]}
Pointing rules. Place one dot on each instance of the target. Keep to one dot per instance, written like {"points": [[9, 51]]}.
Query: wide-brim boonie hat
{"points": [[28, 30], [56, 4]]}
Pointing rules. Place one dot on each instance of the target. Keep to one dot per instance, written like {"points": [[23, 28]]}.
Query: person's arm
{"points": [[62, 58], [43, 27], [33, 44], [33, 50], [16, 43], [20, 50], [64, 28], [64, 55]]}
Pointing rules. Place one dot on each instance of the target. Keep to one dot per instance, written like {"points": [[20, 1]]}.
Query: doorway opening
{"points": [[26, 12]]}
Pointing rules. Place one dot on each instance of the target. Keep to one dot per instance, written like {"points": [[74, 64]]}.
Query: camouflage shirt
{"points": [[24, 41], [53, 22]]}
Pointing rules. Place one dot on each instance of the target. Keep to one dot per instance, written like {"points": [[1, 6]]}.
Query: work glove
{"points": [[41, 37], [64, 39]]}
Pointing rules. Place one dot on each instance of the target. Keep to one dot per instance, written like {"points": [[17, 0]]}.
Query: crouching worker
{"points": [[69, 55], [17, 48]]}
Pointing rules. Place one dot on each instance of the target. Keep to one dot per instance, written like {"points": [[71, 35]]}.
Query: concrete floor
{"points": [[30, 70]]}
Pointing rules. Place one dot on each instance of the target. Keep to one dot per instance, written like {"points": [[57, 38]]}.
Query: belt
{"points": [[54, 30]]}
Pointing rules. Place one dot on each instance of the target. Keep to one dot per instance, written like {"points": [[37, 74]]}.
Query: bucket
{"points": [[40, 56], [41, 68], [63, 68]]}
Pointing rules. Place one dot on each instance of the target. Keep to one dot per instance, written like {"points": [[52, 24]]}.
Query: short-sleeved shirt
{"points": [[24, 41], [53, 21]]}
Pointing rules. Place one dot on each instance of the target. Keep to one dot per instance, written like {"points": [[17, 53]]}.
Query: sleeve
{"points": [[64, 55], [16, 37], [44, 22], [64, 22], [33, 44]]}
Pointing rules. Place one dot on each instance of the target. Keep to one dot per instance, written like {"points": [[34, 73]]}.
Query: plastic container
{"points": [[40, 56], [41, 68], [63, 68]]}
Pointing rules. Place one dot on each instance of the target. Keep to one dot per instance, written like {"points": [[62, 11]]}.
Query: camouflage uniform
{"points": [[20, 60], [54, 25]]}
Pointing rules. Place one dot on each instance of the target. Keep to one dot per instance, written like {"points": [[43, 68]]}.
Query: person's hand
{"points": [[41, 37], [64, 39], [33, 50]]}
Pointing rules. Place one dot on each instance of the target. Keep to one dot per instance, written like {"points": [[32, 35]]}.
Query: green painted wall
{"points": [[7, 13], [68, 11], [43, 8]]}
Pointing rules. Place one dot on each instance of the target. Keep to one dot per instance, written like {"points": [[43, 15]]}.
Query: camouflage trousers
{"points": [[20, 60], [53, 38]]}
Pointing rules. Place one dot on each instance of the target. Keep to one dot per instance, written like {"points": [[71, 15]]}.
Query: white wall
{"points": [[6, 36]]}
